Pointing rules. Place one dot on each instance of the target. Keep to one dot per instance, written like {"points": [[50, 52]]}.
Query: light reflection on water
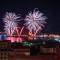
{"points": [[11, 38], [15, 39]]}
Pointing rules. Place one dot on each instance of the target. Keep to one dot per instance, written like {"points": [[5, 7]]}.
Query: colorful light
{"points": [[15, 39], [10, 23], [35, 21]]}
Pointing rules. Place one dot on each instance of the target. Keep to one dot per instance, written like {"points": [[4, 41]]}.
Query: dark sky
{"points": [[50, 8]]}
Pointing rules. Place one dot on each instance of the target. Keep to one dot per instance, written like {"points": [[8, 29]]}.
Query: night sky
{"points": [[50, 8]]}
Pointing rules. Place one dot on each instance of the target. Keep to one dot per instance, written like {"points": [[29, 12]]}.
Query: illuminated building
{"points": [[13, 51]]}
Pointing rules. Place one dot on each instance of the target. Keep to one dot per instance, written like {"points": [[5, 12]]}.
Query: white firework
{"points": [[10, 22], [35, 20]]}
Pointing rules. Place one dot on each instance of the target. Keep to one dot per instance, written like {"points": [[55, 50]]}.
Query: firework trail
{"points": [[10, 22], [21, 30], [35, 21]]}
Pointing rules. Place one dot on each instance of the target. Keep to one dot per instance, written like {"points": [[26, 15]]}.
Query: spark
{"points": [[35, 21], [10, 22]]}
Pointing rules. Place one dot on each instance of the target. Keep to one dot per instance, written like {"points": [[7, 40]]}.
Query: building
{"points": [[14, 51]]}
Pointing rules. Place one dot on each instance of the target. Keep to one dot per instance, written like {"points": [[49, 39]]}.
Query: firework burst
{"points": [[10, 22], [35, 21]]}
